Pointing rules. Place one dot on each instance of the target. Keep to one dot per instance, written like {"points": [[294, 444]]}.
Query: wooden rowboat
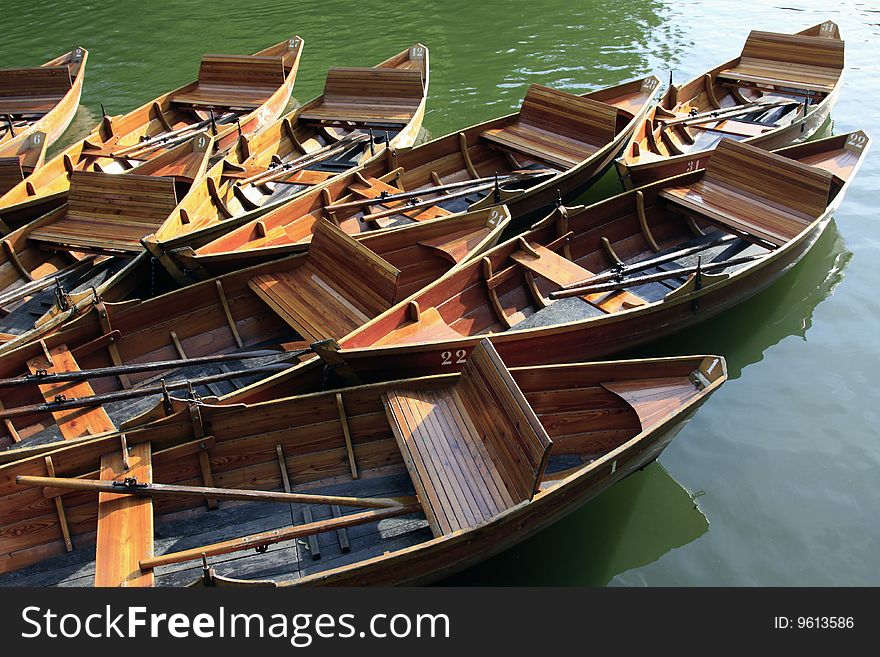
{"points": [[401, 482], [248, 324], [41, 99], [18, 160], [554, 147], [234, 95], [667, 256], [779, 91], [360, 111], [287, 229], [49, 267]]}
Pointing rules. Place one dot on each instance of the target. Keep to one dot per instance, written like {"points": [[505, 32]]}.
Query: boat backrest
{"points": [[379, 85], [765, 175], [794, 49], [10, 173], [519, 441], [125, 198], [348, 265], [231, 71], [569, 115], [38, 81], [473, 450]]}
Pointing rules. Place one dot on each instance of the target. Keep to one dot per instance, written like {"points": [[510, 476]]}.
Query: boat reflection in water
{"points": [[631, 525]]}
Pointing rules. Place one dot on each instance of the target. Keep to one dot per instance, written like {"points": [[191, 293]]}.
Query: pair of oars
{"points": [[278, 363], [577, 289], [447, 192], [171, 138], [287, 169], [722, 114]]}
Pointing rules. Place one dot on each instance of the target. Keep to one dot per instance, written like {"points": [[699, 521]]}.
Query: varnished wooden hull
{"points": [[446, 556], [221, 202], [454, 158], [634, 173], [218, 316], [47, 188], [57, 120], [638, 175], [376, 350], [242, 453], [579, 341]]}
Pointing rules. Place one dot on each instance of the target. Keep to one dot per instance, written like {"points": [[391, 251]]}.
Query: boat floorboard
{"points": [[124, 410], [21, 317], [283, 561]]}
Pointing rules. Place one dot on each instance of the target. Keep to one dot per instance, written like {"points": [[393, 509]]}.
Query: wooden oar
{"points": [[434, 190], [650, 262], [650, 278], [722, 114], [134, 393], [130, 487], [263, 539], [164, 136], [403, 209], [117, 370], [41, 284], [289, 168]]}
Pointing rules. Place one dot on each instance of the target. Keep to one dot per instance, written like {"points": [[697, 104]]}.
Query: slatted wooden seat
{"points": [[75, 422], [369, 95], [340, 285], [557, 127], [33, 90], [766, 198], [235, 81], [548, 264], [473, 449], [111, 212], [789, 60]]}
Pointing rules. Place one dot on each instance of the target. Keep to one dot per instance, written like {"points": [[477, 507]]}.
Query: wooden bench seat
{"points": [[562, 271], [110, 212], [373, 188], [472, 450], [235, 81], [557, 127], [766, 198], [789, 60], [74, 422], [339, 286], [369, 95], [33, 90]]}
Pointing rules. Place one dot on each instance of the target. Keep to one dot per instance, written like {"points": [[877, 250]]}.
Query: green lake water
{"points": [[784, 461]]}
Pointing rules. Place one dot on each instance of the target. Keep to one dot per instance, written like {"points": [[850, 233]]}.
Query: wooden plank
{"points": [[278, 535], [77, 422], [563, 271], [125, 523]]}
